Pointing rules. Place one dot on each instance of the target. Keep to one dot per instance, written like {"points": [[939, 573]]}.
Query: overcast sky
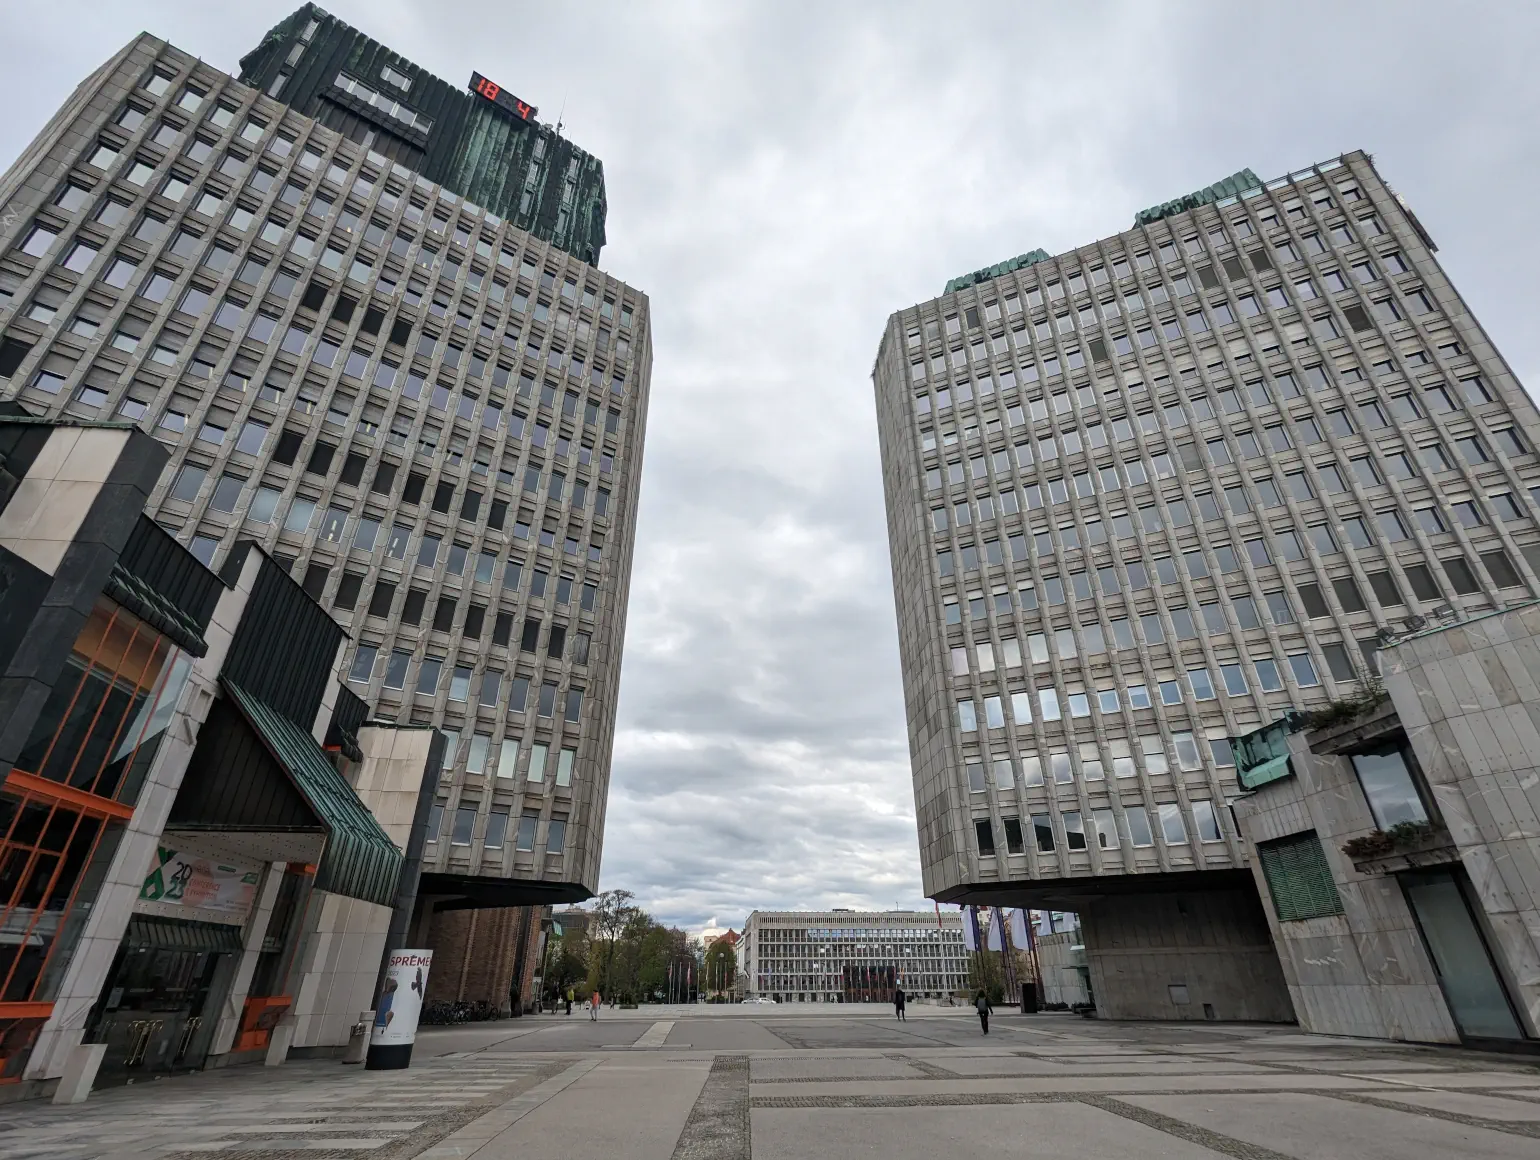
{"points": [[781, 178]]}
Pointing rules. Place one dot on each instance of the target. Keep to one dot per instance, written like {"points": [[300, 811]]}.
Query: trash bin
{"points": [[358, 1038]]}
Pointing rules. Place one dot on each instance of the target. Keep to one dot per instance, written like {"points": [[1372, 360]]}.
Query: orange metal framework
{"points": [[138, 661]]}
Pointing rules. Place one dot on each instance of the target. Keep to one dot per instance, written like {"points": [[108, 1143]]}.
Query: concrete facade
{"points": [[1469, 699], [432, 418], [1201, 954], [1061, 961], [1364, 971], [1461, 711], [802, 956], [1146, 496]]}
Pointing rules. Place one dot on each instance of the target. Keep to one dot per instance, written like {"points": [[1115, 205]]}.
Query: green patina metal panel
{"points": [[360, 859], [1231, 186], [1262, 755], [1020, 261], [521, 171]]}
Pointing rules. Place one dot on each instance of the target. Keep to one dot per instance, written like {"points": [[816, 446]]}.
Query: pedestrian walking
{"points": [[593, 1006], [570, 997], [898, 1003], [981, 1005]]}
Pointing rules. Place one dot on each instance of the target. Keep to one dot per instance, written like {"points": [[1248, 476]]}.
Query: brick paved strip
{"points": [[718, 1127], [1528, 1128], [926, 1070], [1182, 1130]]}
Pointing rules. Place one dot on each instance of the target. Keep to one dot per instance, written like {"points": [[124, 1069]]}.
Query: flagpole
{"points": [[1037, 971], [1010, 956]]}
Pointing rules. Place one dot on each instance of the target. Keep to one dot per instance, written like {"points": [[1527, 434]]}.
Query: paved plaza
{"points": [[793, 1083]]}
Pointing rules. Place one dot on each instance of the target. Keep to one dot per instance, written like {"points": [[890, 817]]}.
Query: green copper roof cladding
{"points": [[360, 859], [519, 169], [1231, 186], [1018, 262]]}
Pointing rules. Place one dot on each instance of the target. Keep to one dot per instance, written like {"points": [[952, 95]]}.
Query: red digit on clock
{"points": [[523, 109], [490, 90]]}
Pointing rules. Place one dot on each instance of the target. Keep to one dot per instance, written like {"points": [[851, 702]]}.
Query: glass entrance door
{"points": [[1475, 993], [153, 1013]]}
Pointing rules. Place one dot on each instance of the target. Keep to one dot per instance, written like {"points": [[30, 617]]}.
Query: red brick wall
{"points": [[473, 955]]}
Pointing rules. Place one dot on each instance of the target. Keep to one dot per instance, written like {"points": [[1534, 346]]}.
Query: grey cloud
{"points": [[781, 178]]}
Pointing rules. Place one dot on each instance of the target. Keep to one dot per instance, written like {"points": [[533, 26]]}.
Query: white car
{"points": [[757, 999]]}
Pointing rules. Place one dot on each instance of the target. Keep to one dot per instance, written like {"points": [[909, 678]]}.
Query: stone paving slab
{"points": [[1312, 1127], [683, 1087], [1048, 1085], [619, 1108], [825, 1068], [1018, 1131]]}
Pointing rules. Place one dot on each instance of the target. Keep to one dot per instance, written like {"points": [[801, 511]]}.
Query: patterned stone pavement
{"points": [[795, 1083]]}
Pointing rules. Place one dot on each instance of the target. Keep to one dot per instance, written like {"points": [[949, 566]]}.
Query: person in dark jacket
{"points": [[981, 1005], [898, 1003]]}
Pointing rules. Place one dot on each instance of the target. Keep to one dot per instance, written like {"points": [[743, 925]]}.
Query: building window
{"points": [[986, 838], [1299, 877], [465, 823], [1390, 788]]}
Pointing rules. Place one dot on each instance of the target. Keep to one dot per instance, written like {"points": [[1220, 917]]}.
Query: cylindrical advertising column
{"points": [[396, 1012]]}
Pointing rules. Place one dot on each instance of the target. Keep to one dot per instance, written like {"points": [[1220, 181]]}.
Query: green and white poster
{"points": [[187, 877]]}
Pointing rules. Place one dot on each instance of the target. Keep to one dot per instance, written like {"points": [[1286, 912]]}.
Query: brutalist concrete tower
{"points": [[434, 418], [1149, 495]]}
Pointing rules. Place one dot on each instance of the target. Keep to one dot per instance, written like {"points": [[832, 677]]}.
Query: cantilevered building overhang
{"points": [[1150, 494]]}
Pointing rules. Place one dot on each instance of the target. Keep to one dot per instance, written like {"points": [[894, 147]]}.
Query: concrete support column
{"points": [[240, 987]]}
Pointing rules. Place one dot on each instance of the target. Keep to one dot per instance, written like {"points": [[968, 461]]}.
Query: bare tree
{"points": [[613, 911]]}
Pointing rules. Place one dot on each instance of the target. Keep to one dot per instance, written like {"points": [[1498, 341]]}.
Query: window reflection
{"points": [[1390, 788], [102, 722]]}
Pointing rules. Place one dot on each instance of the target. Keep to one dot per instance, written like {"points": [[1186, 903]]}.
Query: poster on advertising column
{"points": [[398, 1008]]}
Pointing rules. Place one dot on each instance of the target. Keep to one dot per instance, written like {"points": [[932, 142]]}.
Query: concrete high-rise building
{"points": [[480, 142], [433, 418], [848, 956], [1147, 495]]}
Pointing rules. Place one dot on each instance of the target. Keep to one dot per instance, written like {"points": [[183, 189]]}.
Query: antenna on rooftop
{"points": [[560, 114]]}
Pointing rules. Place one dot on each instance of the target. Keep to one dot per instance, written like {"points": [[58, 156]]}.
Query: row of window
{"points": [[311, 160], [491, 692], [495, 834], [1108, 828], [1037, 364], [1030, 771], [1208, 242]]}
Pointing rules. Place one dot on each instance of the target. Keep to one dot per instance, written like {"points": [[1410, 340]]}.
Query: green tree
{"points": [[613, 911], [720, 967], [566, 961], [987, 974]]}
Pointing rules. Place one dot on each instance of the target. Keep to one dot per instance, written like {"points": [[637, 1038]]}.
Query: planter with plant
{"points": [[1401, 839]]}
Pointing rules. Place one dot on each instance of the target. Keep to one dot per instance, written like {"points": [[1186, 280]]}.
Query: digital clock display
{"points": [[502, 98]]}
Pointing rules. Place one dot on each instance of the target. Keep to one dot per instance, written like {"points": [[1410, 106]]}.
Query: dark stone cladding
{"points": [[474, 147], [43, 615], [350, 712], [286, 644]]}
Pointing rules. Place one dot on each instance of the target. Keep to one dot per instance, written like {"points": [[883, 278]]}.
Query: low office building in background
{"points": [[1151, 494], [847, 956]]}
